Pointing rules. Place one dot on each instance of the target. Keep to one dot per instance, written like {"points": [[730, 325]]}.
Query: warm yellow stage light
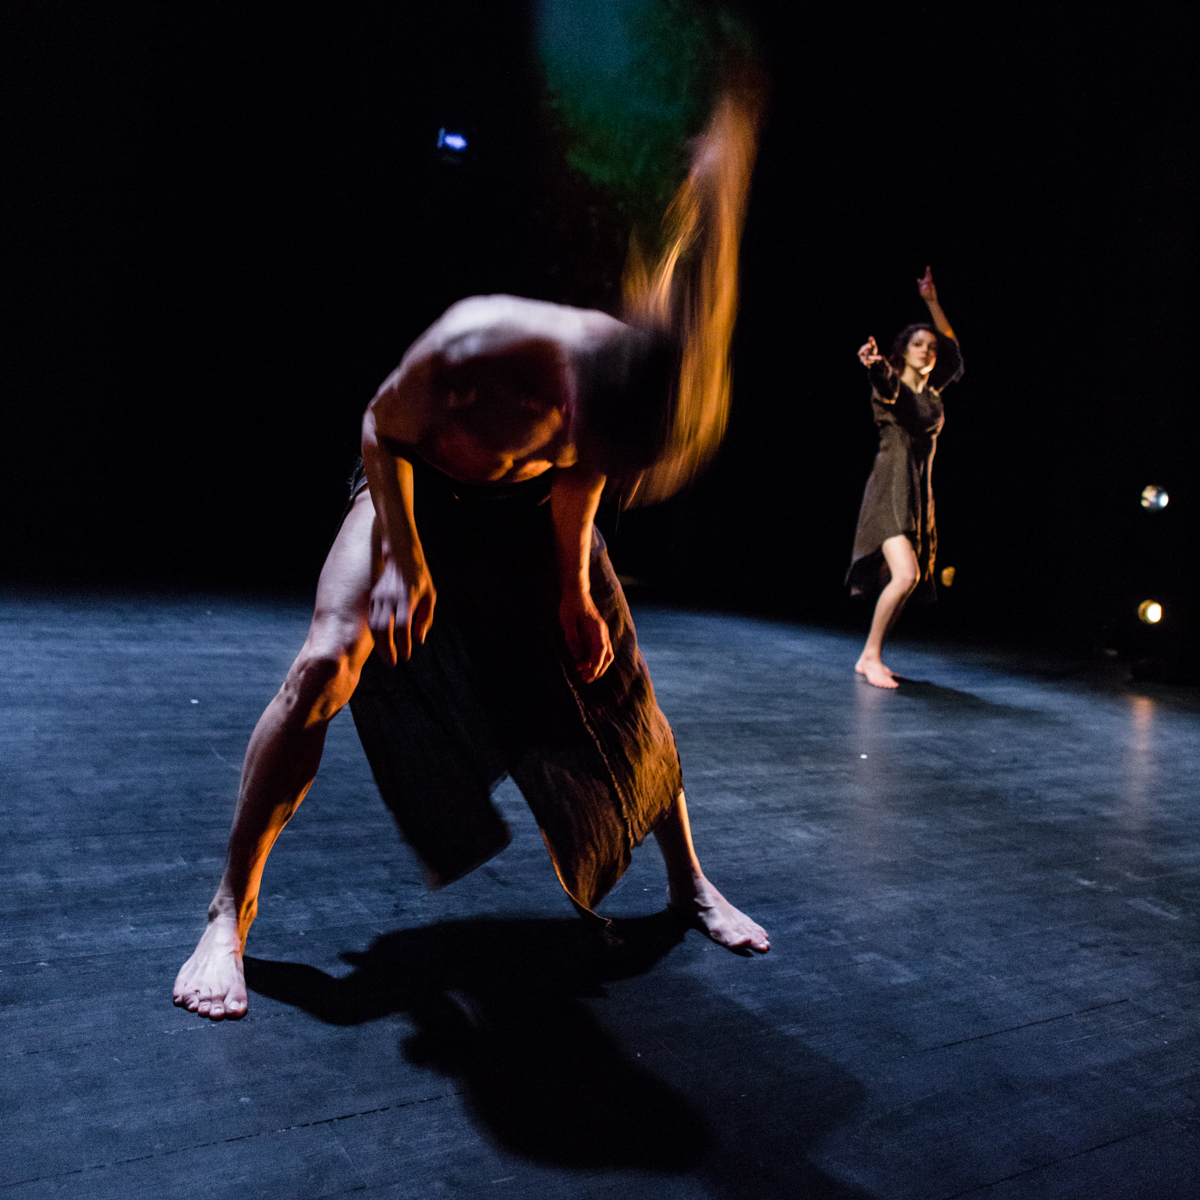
{"points": [[947, 576], [1150, 611], [1154, 498]]}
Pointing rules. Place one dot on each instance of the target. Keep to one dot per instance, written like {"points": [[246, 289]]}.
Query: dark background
{"points": [[225, 226]]}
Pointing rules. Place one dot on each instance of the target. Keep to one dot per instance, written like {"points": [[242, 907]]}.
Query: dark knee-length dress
{"points": [[493, 692], [899, 494]]}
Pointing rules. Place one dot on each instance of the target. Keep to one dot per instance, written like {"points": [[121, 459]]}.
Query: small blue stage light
{"points": [[451, 141]]}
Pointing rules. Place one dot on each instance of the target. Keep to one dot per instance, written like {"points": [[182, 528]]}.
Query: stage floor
{"points": [[981, 890]]}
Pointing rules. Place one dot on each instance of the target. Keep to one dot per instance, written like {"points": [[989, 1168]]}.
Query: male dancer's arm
{"points": [[403, 597], [574, 498]]}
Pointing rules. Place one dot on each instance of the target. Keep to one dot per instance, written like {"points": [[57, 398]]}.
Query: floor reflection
{"points": [[1141, 767]]}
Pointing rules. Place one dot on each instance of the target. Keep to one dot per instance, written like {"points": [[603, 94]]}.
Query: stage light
{"points": [[1150, 611], [947, 576], [1154, 498], [451, 141]]}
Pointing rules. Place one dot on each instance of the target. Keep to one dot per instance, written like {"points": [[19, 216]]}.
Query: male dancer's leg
{"points": [[693, 897], [282, 760]]}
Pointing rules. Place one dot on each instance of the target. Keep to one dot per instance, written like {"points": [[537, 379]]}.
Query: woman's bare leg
{"points": [[902, 563], [694, 897], [281, 763]]}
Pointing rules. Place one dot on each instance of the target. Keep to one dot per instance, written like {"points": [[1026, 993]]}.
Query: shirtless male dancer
{"points": [[498, 391]]}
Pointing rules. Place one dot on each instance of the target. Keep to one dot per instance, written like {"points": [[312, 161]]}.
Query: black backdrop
{"points": [[225, 226]]}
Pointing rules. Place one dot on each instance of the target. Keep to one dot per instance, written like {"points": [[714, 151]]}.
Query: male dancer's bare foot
{"points": [[873, 670], [211, 983], [702, 906]]}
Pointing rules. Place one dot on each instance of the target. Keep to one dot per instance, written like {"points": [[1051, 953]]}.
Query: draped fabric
{"points": [[493, 692]]}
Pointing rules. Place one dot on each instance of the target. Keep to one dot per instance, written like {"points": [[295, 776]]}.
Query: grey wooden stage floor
{"points": [[982, 892]]}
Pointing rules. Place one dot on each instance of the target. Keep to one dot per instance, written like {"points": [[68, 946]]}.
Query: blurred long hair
{"points": [[680, 294]]}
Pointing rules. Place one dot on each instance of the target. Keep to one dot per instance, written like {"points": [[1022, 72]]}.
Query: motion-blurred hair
{"points": [[629, 392], [681, 298]]}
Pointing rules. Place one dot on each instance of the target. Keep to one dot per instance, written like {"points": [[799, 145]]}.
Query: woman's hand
{"points": [[586, 634], [929, 295], [927, 289], [401, 609], [868, 353]]}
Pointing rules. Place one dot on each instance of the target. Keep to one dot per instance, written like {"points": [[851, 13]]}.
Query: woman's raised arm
{"points": [[928, 290]]}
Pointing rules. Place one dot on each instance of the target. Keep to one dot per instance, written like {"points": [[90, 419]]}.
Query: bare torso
{"points": [[511, 417]]}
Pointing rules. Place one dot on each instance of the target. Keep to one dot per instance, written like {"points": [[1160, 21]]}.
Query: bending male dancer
{"points": [[485, 456]]}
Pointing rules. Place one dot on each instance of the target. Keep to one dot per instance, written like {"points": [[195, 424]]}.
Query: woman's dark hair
{"points": [[900, 345], [628, 395]]}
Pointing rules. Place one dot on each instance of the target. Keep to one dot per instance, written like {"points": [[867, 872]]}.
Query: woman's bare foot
{"points": [[873, 670], [211, 983], [705, 908]]}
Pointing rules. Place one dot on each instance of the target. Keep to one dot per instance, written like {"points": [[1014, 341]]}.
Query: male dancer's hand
{"points": [[586, 634], [401, 609]]}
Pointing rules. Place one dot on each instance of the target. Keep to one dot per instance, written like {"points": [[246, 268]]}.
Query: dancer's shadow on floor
{"points": [[497, 1004], [948, 699]]}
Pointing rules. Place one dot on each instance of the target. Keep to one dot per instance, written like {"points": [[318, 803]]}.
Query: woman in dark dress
{"points": [[895, 545]]}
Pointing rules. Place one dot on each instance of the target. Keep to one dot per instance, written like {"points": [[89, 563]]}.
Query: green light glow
{"points": [[631, 81]]}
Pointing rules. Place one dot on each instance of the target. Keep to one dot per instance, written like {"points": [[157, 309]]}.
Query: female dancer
{"points": [[895, 544], [485, 456]]}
